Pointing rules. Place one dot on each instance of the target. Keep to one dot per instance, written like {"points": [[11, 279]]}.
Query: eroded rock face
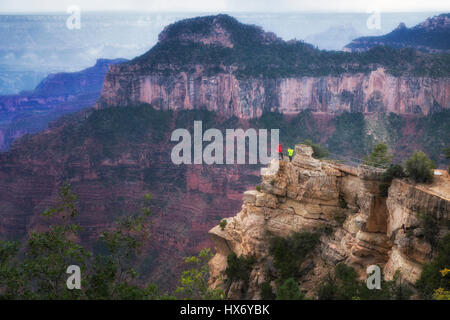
{"points": [[307, 195], [377, 91], [407, 206]]}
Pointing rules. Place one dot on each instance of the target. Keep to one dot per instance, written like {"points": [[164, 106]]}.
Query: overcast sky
{"points": [[226, 5]]}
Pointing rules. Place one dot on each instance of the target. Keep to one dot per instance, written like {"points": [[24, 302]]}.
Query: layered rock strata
{"points": [[307, 195], [376, 91]]}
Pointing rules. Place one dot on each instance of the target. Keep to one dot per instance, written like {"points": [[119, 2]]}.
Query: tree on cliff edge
{"points": [[379, 157], [420, 168]]}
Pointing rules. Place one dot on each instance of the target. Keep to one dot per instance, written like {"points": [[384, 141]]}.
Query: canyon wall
{"points": [[110, 172], [223, 92], [308, 195]]}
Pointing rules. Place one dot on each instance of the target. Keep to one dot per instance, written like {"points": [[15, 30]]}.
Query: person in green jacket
{"points": [[290, 153]]}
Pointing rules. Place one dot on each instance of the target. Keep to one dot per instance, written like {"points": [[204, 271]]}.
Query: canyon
{"points": [[230, 75], [308, 194]]}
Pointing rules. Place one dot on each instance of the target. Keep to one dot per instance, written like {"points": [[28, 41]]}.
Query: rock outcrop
{"points": [[309, 195]]}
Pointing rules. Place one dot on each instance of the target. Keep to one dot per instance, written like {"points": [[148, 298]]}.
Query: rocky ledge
{"points": [[309, 195]]}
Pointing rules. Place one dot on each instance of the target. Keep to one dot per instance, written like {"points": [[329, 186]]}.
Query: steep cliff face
{"points": [[407, 207], [377, 91], [308, 195], [212, 62]]}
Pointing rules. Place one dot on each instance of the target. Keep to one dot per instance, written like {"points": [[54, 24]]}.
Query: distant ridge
{"points": [[56, 95], [432, 35]]}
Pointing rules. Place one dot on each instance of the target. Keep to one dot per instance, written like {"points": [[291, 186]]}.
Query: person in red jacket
{"points": [[280, 152]]}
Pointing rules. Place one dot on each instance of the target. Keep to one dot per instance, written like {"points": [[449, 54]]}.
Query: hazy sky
{"points": [[226, 5]]}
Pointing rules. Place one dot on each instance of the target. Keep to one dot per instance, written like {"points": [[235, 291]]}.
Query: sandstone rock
{"points": [[308, 195], [247, 98]]}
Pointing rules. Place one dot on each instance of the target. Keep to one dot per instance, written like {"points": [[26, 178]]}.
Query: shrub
{"points": [[258, 188], [327, 289], [431, 279], [430, 227], [289, 290], [194, 280], [419, 167], [379, 157], [266, 292], [346, 286], [238, 268], [223, 224], [289, 253], [441, 293], [394, 171]]}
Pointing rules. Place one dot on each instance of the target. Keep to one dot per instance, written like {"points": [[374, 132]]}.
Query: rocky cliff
{"points": [[377, 91], [309, 195], [217, 63]]}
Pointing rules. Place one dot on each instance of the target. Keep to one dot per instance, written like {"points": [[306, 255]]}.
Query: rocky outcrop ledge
{"points": [[309, 194]]}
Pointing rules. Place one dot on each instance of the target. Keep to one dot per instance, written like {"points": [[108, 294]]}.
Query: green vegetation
{"points": [[36, 270], [393, 172], [266, 292], [289, 253], [430, 227], [395, 124], [431, 278], [223, 224], [379, 157], [40, 273], [349, 134], [258, 188], [344, 285], [300, 128], [319, 152], [435, 133], [194, 281], [289, 290], [447, 156], [441, 293], [420, 168], [254, 55], [238, 268]]}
